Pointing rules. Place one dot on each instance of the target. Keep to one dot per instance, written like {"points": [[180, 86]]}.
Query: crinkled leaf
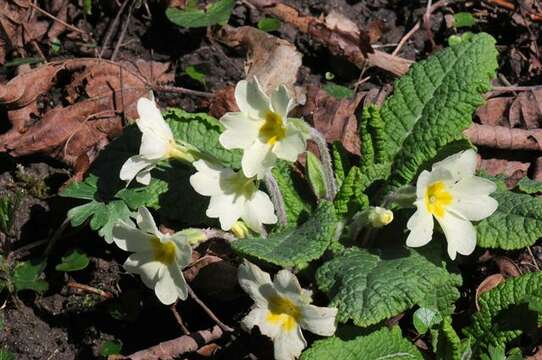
{"points": [[504, 312], [464, 19], [297, 208], [217, 13], [382, 344], [74, 261], [294, 246], [315, 173], [341, 163], [202, 131], [530, 186], [446, 343], [26, 276], [371, 287], [350, 197], [432, 105], [517, 222]]}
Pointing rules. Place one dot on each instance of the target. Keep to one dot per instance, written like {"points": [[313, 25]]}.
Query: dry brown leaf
{"points": [[334, 118], [507, 267], [272, 60], [489, 283], [505, 167], [97, 104], [495, 111], [526, 110]]}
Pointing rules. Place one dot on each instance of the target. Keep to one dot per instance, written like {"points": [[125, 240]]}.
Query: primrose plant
{"points": [[363, 230]]}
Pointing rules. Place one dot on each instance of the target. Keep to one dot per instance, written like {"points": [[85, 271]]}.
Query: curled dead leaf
{"points": [[489, 283]]}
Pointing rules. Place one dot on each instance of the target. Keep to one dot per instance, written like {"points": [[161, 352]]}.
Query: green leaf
{"points": [[217, 13], [87, 7], [517, 222], [202, 131], [6, 355], [432, 105], [297, 208], [85, 190], [26, 276], [23, 61], [338, 91], [341, 163], [350, 197], [294, 246], [382, 344], [504, 312], [425, 318], [529, 186], [73, 262], [269, 24], [446, 343], [110, 347], [316, 175], [464, 19], [195, 74], [368, 287]]}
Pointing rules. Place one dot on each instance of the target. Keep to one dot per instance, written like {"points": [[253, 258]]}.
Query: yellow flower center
{"points": [[437, 198], [273, 128], [163, 252], [283, 313]]}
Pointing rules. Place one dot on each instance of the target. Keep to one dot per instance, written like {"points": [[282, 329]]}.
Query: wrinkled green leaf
{"points": [[446, 343], [217, 13], [464, 19], [350, 197], [369, 287], [382, 344], [269, 24], [529, 186], [294, 246], [74, 261], [297, 208], [316, 175]]}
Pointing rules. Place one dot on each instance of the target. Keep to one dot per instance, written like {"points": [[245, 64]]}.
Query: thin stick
{"points": [[533, 258], [23, 249], [71, 27], [112, 27], [102, 293], [123, 31], [208, 311], [56, 236], [184, 329], [181, 90], [276, 197], [516, 88]]}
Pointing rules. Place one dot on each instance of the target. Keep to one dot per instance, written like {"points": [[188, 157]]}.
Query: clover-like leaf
{"points": [[370, 287], [505, 312], [425, 318], [294, 246], [217, 13], [73, 261], [382, 344], [26, 276]]}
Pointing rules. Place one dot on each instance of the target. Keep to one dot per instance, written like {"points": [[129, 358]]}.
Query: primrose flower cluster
{"points": [[449, 193]]}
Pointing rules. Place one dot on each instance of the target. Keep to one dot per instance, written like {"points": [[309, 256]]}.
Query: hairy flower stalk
{"points": [[331, 183]]}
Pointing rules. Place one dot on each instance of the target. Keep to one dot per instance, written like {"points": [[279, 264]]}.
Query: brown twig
{"points": [[102, 293], [71, 27], [208, 311], [183, 327], [181, 90], [516, 88], [174, 348], [503, 3], [123, 31], [112, 27], [339, 43], [535, 263], [501, 137], [56, 236]]}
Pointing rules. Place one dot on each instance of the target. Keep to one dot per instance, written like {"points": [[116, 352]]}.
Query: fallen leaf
{"points": [[526, 110], [489, 283], [100, 95], [334, 118], [495, 111], [504, 167], [507, 267]]}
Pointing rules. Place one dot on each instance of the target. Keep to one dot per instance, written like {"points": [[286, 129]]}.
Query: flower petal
{"points": [[128, 238], [207, 180], [460, 165], [240, 131], [471, 198], [258, 317], [145, 221], [289, 345], [319, 320], [291, 146], [421, 226], [184, 251], [257, 159], [287, 285], [153, 147], [144, 265], [151, 121], [255, 282], [165, 288], [178, 279], [227, 208], [144, 176], [281, 101], [460, 234], [259, 209], [251, 98], [133, 166]]}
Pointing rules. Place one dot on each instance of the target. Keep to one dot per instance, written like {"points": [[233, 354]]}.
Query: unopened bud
{"points": [[240, 229], [379, 217]]}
